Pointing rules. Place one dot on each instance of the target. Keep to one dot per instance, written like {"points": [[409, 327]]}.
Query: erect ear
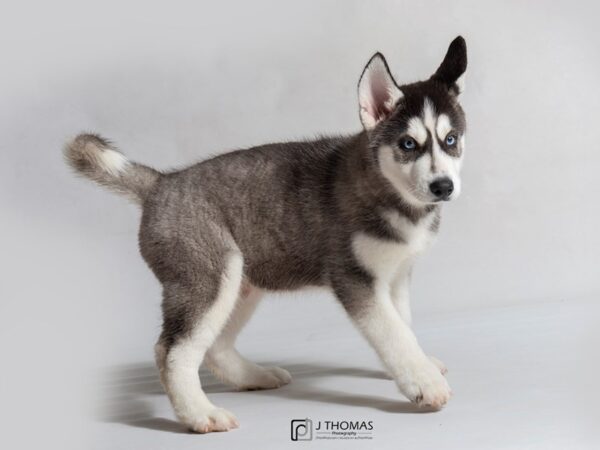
{"points": [[377, 92], [452, 70]]}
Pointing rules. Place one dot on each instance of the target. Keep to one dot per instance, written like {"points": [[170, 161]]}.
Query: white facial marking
{"points": [[429, 118], [399, 175], [443, 126], [431, 122], [442, 164], [417, 130]]}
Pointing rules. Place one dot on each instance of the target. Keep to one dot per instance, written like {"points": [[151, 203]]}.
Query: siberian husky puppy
{"points": [[348, 213]]}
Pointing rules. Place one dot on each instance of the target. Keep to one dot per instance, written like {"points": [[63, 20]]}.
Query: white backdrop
{"points": [[174, 83]]}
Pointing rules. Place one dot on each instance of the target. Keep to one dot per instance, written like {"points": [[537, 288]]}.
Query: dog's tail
{"points": [[97, 159]]}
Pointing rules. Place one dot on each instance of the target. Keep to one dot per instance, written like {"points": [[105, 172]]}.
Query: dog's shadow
{"points": [[125, 392]]}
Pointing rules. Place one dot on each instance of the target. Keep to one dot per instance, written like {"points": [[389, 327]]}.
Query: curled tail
{"points": [[95, 158]]}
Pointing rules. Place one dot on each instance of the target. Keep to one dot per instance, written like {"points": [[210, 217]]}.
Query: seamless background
{"points": [[173, 83]]}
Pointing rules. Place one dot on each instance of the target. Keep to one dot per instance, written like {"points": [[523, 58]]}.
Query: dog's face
{"points": [[417, 131]]}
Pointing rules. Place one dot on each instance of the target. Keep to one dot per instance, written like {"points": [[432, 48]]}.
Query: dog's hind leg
{"points": [[225, 361], [197, 303]]}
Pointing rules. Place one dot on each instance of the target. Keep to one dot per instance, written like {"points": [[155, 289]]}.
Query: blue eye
{"points": [[450, 140], [408, 144]]}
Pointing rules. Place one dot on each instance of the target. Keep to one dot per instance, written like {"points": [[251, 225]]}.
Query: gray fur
{"points": [[83, 154], [290, 208]]}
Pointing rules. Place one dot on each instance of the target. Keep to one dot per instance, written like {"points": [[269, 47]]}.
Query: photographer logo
{"points": [[302, 430], [306, 430]]}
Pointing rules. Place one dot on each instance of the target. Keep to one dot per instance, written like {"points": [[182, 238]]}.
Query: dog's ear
{"points": [[377, 92], [452, 70]]}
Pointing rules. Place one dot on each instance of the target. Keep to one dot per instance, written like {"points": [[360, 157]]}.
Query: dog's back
{"points": [[275, 201]]}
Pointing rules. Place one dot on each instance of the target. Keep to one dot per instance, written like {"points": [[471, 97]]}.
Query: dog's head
{"points": [[417, 131]]}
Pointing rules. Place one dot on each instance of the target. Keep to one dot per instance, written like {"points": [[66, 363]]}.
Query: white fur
{"points": [[443, 165], [225, 361], [461, 83], [384, 259], [412, 179], [376, 77], [449, 166], [443, 126], [416, 129], [400, 292], [386, 318], [112, 161], [180, 371], [429, 116], [417, 237], [381, 258], [416, 375], [399, 175]]}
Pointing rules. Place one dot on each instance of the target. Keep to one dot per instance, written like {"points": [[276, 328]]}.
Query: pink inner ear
{"points": [[380, 96]]}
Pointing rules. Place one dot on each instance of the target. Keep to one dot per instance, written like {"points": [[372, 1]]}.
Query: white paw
{"points": [[282, 375], [215, 419], [267, 378], [424, 385], [440, 365]]}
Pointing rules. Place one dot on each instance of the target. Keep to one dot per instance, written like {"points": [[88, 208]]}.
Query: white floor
{"points": [[523, 378]]}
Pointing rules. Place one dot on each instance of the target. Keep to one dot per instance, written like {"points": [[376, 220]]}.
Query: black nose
{"points": [[442, 188]]}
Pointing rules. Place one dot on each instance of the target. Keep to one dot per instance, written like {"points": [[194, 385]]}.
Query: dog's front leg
{"points": [[418, 378], [399, 291], [401, 300]]}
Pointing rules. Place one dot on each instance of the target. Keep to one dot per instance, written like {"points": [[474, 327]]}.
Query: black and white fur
{"points": [[349, 213]]}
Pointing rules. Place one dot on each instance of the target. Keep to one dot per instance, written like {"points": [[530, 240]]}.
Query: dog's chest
{"points": [[382, 258]]}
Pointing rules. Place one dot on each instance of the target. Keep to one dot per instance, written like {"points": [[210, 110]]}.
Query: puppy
{"points": [[347, 213]]}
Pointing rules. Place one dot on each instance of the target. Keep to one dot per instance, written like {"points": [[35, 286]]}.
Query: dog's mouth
{"points": [[421, 197], [429, 199]]}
